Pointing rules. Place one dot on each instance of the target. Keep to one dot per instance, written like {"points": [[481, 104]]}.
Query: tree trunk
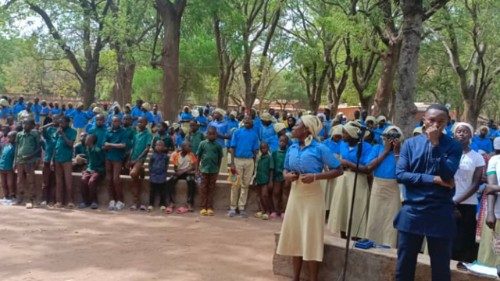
{"points": [[247, 79], [471, 112], [385, 85], [122, 89], [334, 101], [408, 66], [171, 15], [87, 89], [226, 66]]}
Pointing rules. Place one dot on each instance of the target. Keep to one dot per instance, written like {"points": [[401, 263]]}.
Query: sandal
{"points": [[169, 210], [182, 210]]}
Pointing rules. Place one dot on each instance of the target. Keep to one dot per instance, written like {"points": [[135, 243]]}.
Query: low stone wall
{"points": [[364, 265], [221, 197]]}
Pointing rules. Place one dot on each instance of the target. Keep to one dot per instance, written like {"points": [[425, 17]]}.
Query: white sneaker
{"points": [[119, 205], [29, 205], [43, 204], [112, 205]]}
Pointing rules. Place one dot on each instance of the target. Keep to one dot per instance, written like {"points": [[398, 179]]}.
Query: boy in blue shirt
{"points": [[7, 167], [64, 140], [244, 148]]}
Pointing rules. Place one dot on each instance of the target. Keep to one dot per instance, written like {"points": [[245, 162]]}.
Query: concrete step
{"points": [[221, 196]]}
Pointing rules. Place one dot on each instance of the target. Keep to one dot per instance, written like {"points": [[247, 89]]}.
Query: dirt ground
{"points": [[41, 244]]}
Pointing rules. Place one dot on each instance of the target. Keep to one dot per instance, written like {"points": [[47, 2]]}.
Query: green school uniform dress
{"points": [[279, 164], [116, 136], [264, 165], [95, 159], [210, 156], [141, 141], [63, 152], [27, 144], [195, 139]]}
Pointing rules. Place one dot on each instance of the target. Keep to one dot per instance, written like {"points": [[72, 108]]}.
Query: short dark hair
{"points": [[438, 106]]}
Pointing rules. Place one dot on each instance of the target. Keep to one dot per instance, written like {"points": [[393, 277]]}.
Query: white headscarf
{"points": [[314, 125], [458, 124]]}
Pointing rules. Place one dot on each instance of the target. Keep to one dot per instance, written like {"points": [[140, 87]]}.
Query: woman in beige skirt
{"points": [[342, 194], [385, 199], [302, 232]]}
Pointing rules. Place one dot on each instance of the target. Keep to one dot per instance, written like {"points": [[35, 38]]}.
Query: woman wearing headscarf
{"points": [[267, 132], [467, 179], [302, 235], [385, 200], [342, 194]]}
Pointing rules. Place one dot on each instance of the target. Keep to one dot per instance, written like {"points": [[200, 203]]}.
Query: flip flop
{"points": [[182, 210], [169, 210]]}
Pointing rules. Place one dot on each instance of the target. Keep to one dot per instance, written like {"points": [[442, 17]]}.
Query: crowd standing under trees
{"points": [[170, 52], [256, 149]]}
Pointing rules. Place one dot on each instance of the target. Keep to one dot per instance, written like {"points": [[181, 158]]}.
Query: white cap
{"points": [[496, 143]]}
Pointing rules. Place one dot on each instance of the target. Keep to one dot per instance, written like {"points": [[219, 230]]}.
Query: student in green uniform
{"points": [[7, 166], [99, 130], [164, 135], [130, 132], [140, 149], [48, 184], [195, 137], [28, 149], [64, 140], [279, 180], [210, 157], [93, 174], [115, 145], [264, 181]]}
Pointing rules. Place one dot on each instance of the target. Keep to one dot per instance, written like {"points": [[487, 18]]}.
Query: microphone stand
{"points": [[349, 227]]}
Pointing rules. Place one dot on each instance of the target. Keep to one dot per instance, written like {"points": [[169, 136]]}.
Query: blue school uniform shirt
{"points": [[69, 112], [333, 146], [244, 142], [18, 107], [257, 123], [203, 121], [309, 159], [232, 126], [158, 118], [136, 113], [7, 157], [5, 112], [268, 135], [377, 134], [484, 144], [427, 208], [186, 116], [492, 133], [350, 153], [79, 119], [179, 139], [45, 111], [222, 129], [55, 111], [387, 168], [36, 109]]}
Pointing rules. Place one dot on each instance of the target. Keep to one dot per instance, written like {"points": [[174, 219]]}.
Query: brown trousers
{"points": [[48, 190], [7, 180], [26, 181], [137, 174], [90, 182], [64, 182], [207, 190], [113, 169]]}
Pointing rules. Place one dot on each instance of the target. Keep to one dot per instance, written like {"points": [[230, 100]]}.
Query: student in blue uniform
{"points": [[335, 140], [302, 232], [342, 195], [384, 198], [379, 130], [481, 141], [426, 167], [267, 132]]}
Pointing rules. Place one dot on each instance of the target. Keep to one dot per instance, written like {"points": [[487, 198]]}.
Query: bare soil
{"points": [[41, 244]]}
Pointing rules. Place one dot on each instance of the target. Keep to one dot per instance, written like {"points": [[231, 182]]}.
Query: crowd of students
{"points": [[252, 147]]}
